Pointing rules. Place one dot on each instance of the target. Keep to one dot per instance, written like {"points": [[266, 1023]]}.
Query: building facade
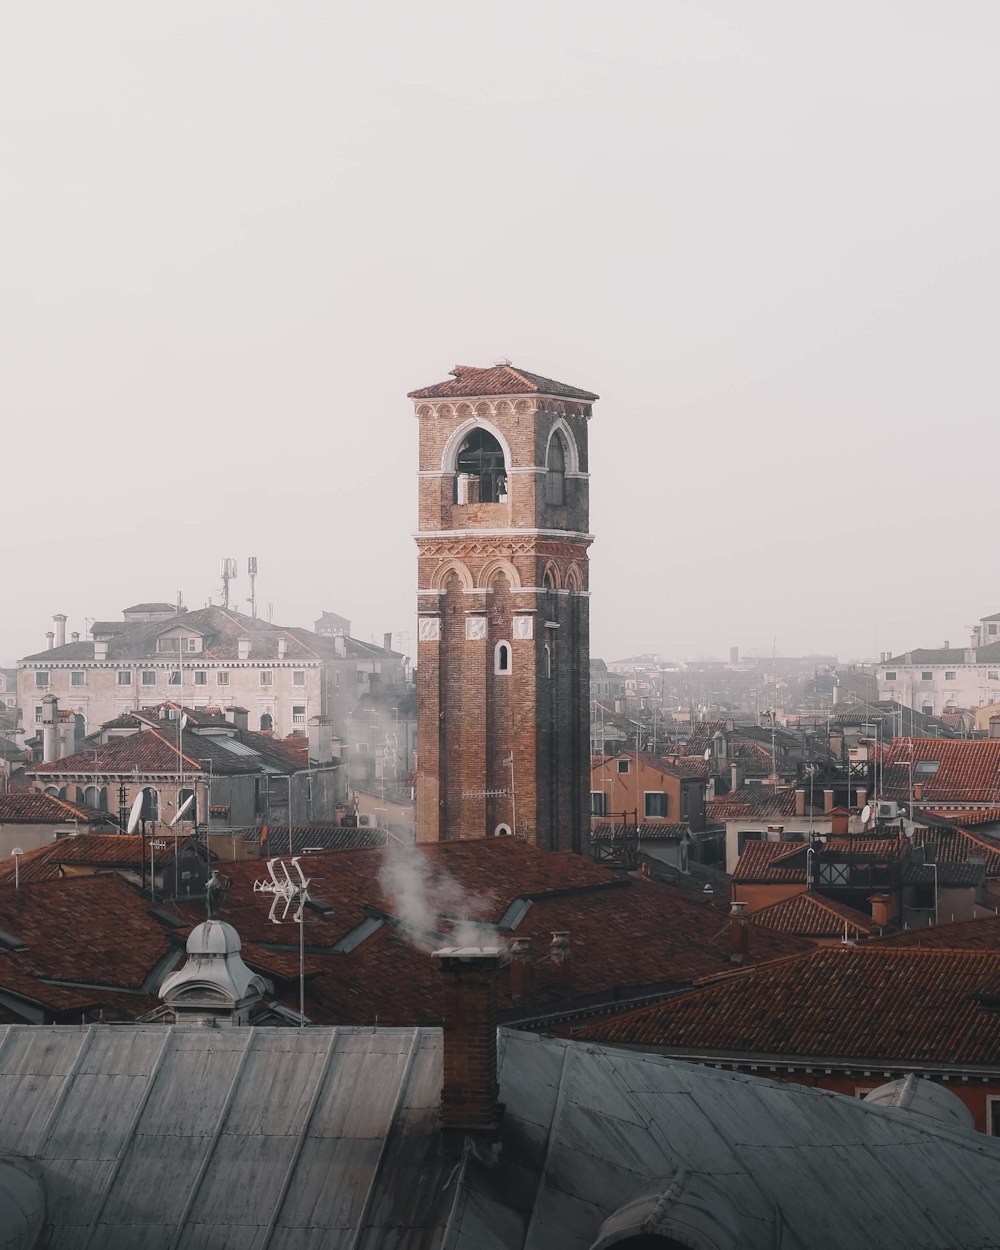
{"points": [[210, 657], [503, 670]]}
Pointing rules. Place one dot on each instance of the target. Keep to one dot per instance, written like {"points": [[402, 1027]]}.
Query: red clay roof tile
{"points": [[501, 379], [867, 1003]]}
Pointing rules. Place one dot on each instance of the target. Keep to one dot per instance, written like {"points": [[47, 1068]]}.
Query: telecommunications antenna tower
{"points": [[228, 574], [252, 574]]}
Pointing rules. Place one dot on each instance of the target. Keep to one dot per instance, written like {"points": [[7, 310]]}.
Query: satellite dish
{"points": [[182, 809], [708, 754], [866, 813], [136, 813], [184, 721]]}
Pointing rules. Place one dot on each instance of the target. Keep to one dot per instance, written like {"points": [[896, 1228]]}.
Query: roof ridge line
{"points": [[166, 741]]}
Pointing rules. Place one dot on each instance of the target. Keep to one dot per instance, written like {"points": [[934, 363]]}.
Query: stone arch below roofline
{"points": [[552, 568], [449, 456], [574, 577], [572, 451], [461, 571], [492, 568]]}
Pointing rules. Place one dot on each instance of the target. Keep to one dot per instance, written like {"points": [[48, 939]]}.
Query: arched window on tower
{"points": [[480, 470], [501, 659], [555, 471]]}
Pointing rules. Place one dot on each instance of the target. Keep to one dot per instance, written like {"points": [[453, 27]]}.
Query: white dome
{"points": [[213, 937], [924, 1098]]}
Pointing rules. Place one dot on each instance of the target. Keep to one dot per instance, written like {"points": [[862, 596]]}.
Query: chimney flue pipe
{"points": [[738, 933], [469, 1008]]}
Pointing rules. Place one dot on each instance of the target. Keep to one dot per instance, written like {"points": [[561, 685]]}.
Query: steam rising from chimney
{"points": [[423, 896]]}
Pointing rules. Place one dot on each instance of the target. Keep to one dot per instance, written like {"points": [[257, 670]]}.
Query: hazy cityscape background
{"points": [[235, 235]]}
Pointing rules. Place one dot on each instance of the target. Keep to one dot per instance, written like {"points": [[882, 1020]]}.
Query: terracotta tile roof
{"points": [[785, 862], [89, 930], [500, 379], [664, 831], [328, 837], [757, 800], [30, 807], [969, 770], [154, 751], [869, 1003], [967, 819], [772, 862], [954, 845], [969, 935], [626, 936], [812, 915], [943, 655], [34, 865]]}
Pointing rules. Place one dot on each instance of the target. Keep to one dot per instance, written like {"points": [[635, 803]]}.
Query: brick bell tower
{"points": [[503, 659]]}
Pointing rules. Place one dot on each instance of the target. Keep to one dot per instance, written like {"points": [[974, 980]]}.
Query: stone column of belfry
{"points": [[503, 660]]}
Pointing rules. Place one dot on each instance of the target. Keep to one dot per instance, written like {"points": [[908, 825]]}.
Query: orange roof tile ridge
{"points": [[194, 763]]}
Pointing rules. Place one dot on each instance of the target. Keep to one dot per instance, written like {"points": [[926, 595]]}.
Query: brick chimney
{"points": [[827, 802], [800, 802], [239, 717], [738, 934], [561, 960], [880, 909], [520, 969], [840, 823], [918, 792], [469, 1009]]}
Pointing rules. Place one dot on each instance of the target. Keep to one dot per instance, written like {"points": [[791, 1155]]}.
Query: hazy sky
{"points": [[235, 234]]}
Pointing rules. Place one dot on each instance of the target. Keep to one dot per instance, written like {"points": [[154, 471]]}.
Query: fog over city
{"points": [[235, 235]]}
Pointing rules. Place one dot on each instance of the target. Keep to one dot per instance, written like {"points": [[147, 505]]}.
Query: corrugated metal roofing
{"points": [[174, 1138]]}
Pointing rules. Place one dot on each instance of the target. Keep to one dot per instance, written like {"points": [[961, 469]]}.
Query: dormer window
{"points": [[176, 644], [480, 470], [555, 472]]}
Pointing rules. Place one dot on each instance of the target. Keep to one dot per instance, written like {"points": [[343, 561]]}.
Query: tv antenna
{"points": [[293, 894], [228, 574]]}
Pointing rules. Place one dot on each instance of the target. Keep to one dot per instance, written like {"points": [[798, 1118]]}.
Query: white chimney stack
{"points": [[282, 644], [59, 620], [243, 648]]}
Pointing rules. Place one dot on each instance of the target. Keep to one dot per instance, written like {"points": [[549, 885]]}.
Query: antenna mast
{"points": [[228, 574], [252, 573]]}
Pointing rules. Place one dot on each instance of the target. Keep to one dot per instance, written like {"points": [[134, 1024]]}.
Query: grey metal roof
{"points": [[173, 1138]]}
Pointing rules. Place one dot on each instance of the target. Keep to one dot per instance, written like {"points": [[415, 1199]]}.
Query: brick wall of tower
{"points": [[472, 719]]}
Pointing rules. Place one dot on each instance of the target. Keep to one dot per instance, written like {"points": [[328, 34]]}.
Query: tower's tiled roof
{"points": [[467, 380]]}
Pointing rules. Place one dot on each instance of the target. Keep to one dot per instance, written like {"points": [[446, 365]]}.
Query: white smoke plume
{"points": [[430, 904]]}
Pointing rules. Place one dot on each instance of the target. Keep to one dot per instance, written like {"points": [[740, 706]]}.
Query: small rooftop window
{"points": [[926, 768]]}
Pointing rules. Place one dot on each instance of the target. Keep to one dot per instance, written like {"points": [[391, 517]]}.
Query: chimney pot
{"points": [[880, 909], [387, 643], [738, 933], [520, 969], [561, 959], [827, 802], [75, 636], [50, 636], [59, 620], [469, 1010]]}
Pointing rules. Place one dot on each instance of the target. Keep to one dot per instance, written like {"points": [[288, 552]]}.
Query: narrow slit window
{"points": [[501, 658]]}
